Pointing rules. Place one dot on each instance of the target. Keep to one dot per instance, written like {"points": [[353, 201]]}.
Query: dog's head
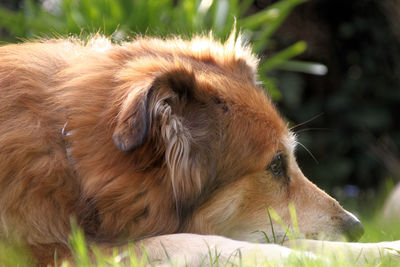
{"points": [[194, 119]]}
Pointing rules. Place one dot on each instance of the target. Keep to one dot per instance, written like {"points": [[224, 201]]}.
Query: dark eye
{"points": [[277, 166]]}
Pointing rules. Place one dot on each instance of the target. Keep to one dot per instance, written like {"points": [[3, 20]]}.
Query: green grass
{"points": [[121, 19], [376, 231]]}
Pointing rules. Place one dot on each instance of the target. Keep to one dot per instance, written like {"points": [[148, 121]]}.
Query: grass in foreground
{"points": [[375, 232]]}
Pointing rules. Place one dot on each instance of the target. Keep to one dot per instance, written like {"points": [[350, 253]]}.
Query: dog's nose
{"points": [[353, 228]]}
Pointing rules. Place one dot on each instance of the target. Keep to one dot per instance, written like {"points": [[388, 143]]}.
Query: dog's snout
{"points": [[353, 228]]}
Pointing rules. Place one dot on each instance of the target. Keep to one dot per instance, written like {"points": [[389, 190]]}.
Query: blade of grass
{"points": [[244, 6], [220, 16], [269, 14], [305, 67], [284, 236], [275, 216], [272, 225], [78, 245], [279, 14], [282, 56], [293, 218]]}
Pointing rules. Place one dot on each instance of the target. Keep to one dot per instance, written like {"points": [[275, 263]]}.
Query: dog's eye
{"points": [[277, 166]]}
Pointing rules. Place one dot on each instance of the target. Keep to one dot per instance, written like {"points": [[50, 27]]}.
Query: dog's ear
{"points": [[156, 100], [165, 110], [133, 121]]}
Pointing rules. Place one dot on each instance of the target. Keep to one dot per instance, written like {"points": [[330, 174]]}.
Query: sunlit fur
{"points": [[141, 139]]}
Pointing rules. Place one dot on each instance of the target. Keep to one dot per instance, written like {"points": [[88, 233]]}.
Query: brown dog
{"points": [[144, 139]]}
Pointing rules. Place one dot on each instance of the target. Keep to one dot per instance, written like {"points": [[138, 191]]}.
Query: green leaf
{"points": [[301, 66], [282, 56], [78, 245], [269, 14]]}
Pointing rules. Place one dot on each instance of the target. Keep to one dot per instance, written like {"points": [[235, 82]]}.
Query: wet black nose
{"points": [[353, 228]]}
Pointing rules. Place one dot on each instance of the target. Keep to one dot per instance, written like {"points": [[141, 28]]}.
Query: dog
{"points": [[169, 143]]}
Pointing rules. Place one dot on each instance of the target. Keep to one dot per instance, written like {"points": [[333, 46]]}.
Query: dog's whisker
{"points": [[309, 152], [312, 129], [307, 121]]}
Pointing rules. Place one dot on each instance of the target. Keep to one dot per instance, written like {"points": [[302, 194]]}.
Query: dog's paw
{"points": [[198, 250], [258, 254], [392, 247]]}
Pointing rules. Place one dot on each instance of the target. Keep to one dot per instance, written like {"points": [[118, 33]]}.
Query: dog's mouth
{"points": [[351, 234], [350, 229]]}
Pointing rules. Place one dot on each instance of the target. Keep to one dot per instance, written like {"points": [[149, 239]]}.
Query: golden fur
{"points": [[143, 139]]}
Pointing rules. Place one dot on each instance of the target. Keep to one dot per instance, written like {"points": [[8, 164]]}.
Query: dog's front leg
{"points": [[196, 250], [357, 252]]}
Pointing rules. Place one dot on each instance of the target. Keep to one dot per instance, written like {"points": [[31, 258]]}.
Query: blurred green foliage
{"points": [[123, 18], [161, 17]]}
